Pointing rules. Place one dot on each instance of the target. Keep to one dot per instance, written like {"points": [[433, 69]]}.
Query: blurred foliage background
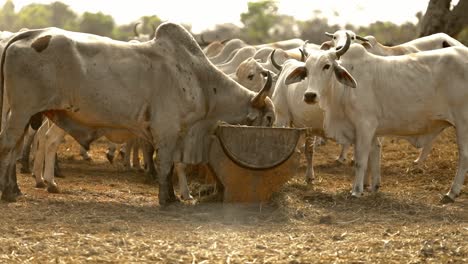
{"points": [[261, 24]]}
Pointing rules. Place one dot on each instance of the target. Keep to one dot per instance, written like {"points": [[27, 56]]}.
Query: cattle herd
{"points": [[164, 92]]}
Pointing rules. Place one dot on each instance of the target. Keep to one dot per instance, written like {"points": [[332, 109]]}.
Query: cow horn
{"points": [[259, 100], [276, 65], [362, 38], [329, 34], [304, 50], [303, 56], [135, 31], [345, 48]]}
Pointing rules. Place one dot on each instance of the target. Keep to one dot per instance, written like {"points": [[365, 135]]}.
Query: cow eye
{"points": [[334, 37], [250, 77], [326, 67]]}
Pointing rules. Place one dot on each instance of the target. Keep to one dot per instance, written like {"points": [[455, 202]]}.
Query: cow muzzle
{"points": [[310, 97]]}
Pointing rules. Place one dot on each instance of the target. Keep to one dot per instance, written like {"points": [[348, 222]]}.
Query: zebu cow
{"points": [[283, 44], [431, 42], [229, 47], [214, 48], [292, 111], [250, 73], [435, 41], [365, 96], [241, 55], [164, 90]]}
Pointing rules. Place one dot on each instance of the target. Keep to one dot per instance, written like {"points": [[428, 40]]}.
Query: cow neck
{"points": [[227, 98]]}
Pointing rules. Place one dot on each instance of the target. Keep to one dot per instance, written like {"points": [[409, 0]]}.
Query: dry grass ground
{"points": [[108, 215]]}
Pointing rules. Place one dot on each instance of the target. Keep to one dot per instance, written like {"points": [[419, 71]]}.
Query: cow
{"points": [[435, 41], [283, 44], [431, 42], [214, 48], [49, 136], [251, 72], [229, 47], [240, 55], [165, 91], [292, 111], [365, 96]]}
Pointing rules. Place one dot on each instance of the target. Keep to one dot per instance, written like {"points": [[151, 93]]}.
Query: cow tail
{"points": [[19, 36]]}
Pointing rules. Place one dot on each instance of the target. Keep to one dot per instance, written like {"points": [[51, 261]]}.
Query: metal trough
{"points": [[253, 162]]}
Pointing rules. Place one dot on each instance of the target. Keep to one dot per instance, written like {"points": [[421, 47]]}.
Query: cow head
{"points": [[251, 74], [320, 68], [338, 39], [262, 111]]}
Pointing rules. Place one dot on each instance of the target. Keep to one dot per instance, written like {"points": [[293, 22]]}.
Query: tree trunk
{"points": [[439, 18]]}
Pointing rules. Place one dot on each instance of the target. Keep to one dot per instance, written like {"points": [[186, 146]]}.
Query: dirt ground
{"points": [[106, 214]]}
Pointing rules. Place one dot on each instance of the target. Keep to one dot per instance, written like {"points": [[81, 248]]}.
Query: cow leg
{"points": [[26, 152], [148, 152], [374, 165], [183, 186], [11, 138], [57, 171], [344, 151], [84, 154], [54, 137], [10, 187], [135, 155], [110, 152], [362, 150], [39, 155], [166, 156], [309, 154], [127, 150], [457, 184]]}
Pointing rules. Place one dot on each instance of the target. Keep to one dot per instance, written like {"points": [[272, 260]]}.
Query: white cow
{"points": [[435, 41], [164, 90], [283, 44], [365, 96], [240, 55], [49, 136], [229, 47], [431, 42], [292, 111]]}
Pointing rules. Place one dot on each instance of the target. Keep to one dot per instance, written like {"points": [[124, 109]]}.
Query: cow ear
{"points": [[326, 45], [343, 76], [366, 45], [296, 75]]}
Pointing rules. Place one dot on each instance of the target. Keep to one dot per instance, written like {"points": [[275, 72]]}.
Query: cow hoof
{"points": [[9, 197], [447, 199], [110, 158], [309, 181], [186, 197], [41, 185], [18, 193], [53, 189], [357, 194], [340, 161]]}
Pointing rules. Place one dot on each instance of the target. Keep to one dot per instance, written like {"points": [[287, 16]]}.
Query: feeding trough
{"points": [[253, 162]]}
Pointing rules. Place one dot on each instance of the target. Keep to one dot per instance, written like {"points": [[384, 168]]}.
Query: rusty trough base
{"points": [[242, 185]]}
